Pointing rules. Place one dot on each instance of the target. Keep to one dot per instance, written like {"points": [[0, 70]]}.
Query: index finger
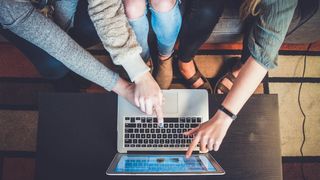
{"points": [[193, 145], [159, 113]]}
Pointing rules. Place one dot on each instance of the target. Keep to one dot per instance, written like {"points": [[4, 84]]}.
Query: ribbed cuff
{"points": [[135, 67]]}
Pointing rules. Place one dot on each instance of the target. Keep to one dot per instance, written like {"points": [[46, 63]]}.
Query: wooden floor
{"points": [[20, 83]]}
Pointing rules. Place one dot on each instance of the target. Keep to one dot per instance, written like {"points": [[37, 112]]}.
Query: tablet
{"points": [[164, 164]]}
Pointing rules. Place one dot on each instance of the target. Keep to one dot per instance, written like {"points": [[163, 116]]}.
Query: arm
{"points": [[119, 40], [21, 18], [265, 39]]}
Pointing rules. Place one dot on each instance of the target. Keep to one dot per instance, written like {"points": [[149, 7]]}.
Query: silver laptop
{"points": [[146, 149]]}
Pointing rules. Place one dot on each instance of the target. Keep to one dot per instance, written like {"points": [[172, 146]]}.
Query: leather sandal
{"points": [[206, 85], [229, 75]]}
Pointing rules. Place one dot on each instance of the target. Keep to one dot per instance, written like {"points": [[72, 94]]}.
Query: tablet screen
{"points": [[163, 163]]}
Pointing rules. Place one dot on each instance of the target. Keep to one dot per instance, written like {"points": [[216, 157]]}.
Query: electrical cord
{"points": [[303, 113]]}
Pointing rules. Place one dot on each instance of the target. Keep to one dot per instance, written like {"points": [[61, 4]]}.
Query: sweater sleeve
{"points": [[116, 35], [22, 19]]}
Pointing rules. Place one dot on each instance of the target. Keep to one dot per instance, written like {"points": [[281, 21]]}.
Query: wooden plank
{"points": [[18, 169]]}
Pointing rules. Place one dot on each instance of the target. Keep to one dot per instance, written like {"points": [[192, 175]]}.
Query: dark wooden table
{"points": [[77, 136]]}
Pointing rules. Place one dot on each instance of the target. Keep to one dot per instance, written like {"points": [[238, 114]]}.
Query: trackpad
{"points": [[170, 103]]}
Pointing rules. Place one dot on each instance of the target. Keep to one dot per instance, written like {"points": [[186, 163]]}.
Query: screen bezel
{"points": [[116, 159]]}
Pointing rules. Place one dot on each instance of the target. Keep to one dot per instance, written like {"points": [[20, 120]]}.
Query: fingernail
{"points": [[161, 125]]}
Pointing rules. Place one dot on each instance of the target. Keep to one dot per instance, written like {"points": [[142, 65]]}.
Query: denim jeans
{"points": [[166, 26], [199, 19], [82, 31]]}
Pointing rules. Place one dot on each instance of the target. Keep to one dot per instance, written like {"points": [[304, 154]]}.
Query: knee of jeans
{"points": [[53, 70], [162, 5], [14, 12], [135, 8]]}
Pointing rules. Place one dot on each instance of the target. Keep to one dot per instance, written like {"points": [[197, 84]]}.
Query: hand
{"points": [[210, 134], [148, 96]]}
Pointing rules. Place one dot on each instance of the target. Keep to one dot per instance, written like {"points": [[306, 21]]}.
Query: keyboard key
{"points": [[147, 130], [126, 136], [127, 141], [132, 120], [152, 130], [176, 126], [149, 125], [140, 141], [138, 136], [143, 120], [182, 119], [199, 120], [143, 136], [126, 145], [164, 135], [155, 120], [149, 119], [193, 120], [155, 125], [131, 136], [166, 125], [148, 136], [127, 118], [136, 130], [158, 136], [141, 130], [129, 131], [174, 131], [170, 125], [135, 141], [193, 125], [130, 125], [170, 120], [154, 136]]}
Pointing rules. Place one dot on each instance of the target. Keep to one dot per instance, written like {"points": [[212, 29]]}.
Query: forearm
{"points": [[249, 78], [117, 36]]}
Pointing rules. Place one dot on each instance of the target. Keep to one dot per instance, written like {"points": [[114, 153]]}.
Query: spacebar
{"points": [[170, 120]]}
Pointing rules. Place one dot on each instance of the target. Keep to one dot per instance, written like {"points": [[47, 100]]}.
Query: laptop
{"points": [[146, 149]]}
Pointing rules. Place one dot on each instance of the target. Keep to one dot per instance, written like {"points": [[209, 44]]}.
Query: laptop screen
{"points": [[163, 163]]}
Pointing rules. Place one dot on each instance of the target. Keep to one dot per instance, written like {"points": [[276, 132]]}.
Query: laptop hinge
{"points": [[159, 152]]}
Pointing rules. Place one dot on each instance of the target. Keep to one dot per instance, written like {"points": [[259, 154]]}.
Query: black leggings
{"points": [[200, 17]]}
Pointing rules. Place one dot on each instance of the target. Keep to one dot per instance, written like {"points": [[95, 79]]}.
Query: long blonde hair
{"points": [[249, 7]]}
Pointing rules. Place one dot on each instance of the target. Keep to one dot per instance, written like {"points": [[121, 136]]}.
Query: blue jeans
{"points": [[166, 26], [71, 16]]}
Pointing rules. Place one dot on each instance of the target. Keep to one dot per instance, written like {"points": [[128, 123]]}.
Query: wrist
{"points": [[121, 87], [143, 77], [223, 117]]}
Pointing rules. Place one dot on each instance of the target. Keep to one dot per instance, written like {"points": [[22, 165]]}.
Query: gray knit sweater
{"points": [[20, 17]]}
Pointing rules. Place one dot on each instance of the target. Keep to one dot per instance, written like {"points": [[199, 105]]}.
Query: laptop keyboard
{"points": [[144, 132]]}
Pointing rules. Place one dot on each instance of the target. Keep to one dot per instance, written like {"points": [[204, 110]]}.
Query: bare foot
{"points": [[187, 70]]}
